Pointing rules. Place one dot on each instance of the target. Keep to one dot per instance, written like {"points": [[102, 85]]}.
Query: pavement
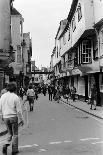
{"points": [[84, 106], [81, 105]]}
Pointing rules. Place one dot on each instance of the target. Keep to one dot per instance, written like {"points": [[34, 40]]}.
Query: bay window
{"points": [[86, 51]]}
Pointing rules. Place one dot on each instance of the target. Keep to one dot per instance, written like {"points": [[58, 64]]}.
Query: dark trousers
{"points": [[93, 103], [73, 97], [50, 96], [31, 102], [12, 127]]}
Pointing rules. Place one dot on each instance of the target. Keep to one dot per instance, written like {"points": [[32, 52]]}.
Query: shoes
{"points": [[94, 108], [15, 153]]}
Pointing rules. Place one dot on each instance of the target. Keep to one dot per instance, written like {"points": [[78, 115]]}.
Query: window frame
{"points": [[86, 52]]}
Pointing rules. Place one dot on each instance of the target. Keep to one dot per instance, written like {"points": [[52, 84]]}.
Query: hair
{"points": [[30, 87], [12, 87]]}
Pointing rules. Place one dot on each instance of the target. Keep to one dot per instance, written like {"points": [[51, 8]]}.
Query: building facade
{"points": [[5, 39], [79, 45], [27, 53], [17, 39]]}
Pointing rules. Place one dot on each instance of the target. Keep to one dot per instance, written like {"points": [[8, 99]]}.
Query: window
{"points": [[70, 59], [86, 51], [73, 24], [95, 49], [102, 36], [21, 31], [69, 55], [76, 58], [79, 12], [79, 53], [57, 51], [69, 34]]}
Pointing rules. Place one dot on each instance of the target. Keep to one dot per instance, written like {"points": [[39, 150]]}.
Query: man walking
{"points": [[50, 92], [10, 108], [73, 92]]}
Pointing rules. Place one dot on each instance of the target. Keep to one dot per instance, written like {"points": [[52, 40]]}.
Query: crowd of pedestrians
{"points": [[11, 109]]}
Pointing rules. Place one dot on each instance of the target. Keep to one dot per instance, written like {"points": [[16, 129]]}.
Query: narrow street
{"points": [[57, 129]]}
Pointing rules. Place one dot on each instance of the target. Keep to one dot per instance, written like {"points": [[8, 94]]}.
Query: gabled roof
{"points": [[61, 26], [70, 15], [14, 12]]}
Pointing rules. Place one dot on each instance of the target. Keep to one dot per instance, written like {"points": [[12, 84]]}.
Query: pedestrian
{"points": [[68, 92], [58, 94], [4, 90], [44, 90], [36, 93], [11, 110], [50, 92], [21, 92], [30, 97], [54, 92], [93, 100], [73, 92]]}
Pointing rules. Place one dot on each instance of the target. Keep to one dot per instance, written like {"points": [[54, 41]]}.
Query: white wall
{"points": [[98, 10]]}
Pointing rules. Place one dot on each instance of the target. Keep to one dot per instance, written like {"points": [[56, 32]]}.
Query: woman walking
{"points": [[93, 97], [30, 97]]}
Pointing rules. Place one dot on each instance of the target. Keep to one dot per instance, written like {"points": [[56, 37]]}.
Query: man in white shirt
{"points": [[11, 110]]}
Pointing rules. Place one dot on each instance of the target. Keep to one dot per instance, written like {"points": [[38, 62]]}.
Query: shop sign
{"points": [[76, 72]]}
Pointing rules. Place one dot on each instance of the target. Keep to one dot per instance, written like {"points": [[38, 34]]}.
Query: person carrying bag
{"points": [[30, 97]]}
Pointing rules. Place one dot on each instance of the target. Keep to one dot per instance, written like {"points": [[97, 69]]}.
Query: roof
{"points": [[61, 26], [14, 12], [70, 15], [98, 24]]}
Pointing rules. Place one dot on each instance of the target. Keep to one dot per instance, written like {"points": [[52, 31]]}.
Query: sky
{"points": [[42, 19]]}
